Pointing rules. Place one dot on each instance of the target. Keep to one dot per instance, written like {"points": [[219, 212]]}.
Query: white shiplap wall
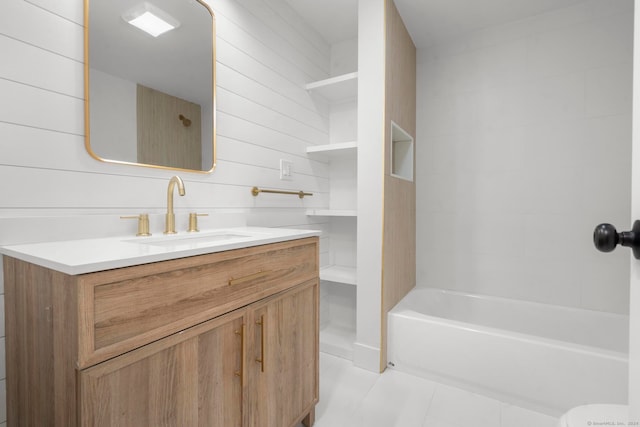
{"points": [[51, 188]]}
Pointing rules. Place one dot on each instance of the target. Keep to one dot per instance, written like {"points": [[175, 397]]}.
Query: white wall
{"points": [[53, 189], [371, 88], [113, 112], [525, 134]]}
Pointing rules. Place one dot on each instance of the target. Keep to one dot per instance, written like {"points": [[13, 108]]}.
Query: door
{"points": [[634, 339], [189, 379], [283, 358]]}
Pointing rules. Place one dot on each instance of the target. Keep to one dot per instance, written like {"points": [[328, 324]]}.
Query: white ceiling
{"points": [[428, 21]]}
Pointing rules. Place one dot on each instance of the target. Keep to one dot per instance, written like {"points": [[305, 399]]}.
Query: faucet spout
{"points": [[170, 221]]}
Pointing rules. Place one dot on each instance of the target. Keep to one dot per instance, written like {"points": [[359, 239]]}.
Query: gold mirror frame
{"points": [[87, 138]]}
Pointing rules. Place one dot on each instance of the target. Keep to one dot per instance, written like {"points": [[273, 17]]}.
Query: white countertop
{"points": [[90, 255]]}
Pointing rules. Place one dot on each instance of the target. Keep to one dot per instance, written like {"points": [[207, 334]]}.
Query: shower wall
{"points": [[524, 143]]}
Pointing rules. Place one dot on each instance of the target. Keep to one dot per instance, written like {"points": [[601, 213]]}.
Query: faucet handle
{"points": [[193, 221], [143, 223]]}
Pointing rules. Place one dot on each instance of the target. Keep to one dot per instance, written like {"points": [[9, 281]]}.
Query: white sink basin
{"points": [[194, 239]]}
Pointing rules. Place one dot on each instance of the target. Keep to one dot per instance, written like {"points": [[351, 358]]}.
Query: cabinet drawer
{"points": [[127, 308]]}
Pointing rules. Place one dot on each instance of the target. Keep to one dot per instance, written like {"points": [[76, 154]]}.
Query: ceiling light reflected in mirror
{"points": [[151, 97], [150, 19]]}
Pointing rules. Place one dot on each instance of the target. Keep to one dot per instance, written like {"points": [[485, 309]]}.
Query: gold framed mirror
{"points": [[150, 98]]}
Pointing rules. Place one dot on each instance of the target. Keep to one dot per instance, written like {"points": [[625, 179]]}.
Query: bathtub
{"points": [[548, 358]]}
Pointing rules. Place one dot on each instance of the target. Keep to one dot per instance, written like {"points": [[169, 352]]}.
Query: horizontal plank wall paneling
{"points": [[264, 115], [147, 192], [263, 95], [33, 25], [23, 64], [39, 108], [265, 56], [242, 152], [282, 131], [243, 129], [293, 19], [245, 65], [313, 57], [26, 146], [64, 9], [243, 14]]}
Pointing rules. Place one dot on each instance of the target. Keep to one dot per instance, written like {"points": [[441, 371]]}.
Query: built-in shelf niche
{"points": [[336, 88], [338, 340], [339, 267], [401, 153], [339, 274], [338, 321], [338, 277], [337, 149]]}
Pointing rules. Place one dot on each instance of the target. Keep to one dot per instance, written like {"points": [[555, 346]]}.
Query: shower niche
{"points": [[401, 153]]}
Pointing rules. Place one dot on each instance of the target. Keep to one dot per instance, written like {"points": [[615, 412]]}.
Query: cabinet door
{"points": [[187, 379], [283, 384]]}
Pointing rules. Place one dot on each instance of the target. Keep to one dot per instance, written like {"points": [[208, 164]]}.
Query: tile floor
{"points": [[352, 397]]}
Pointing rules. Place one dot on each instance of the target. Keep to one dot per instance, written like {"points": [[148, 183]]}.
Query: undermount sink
{"points": [[173, 240]]}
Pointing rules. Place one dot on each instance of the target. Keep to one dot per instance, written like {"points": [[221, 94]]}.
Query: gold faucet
{"points": [[170, 222]]}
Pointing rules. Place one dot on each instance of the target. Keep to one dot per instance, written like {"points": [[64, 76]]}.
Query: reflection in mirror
{"points": [[150, 97]]}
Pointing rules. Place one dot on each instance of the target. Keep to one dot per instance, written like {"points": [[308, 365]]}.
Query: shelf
{"points": [[339, 274], [337, 341], [336, 88], [332, 212], [339, 148]]}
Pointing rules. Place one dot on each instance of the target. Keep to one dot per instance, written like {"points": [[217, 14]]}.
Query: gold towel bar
{"points": [[255, 191]]}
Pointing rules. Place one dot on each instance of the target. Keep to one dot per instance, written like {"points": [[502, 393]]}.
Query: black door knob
{"points": [[606, 238]]}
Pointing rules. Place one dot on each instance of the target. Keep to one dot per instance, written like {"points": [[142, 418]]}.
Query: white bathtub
{"points": [[545, 357]]}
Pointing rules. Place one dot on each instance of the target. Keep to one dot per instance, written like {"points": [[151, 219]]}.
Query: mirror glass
{"points": [[150, 99]]}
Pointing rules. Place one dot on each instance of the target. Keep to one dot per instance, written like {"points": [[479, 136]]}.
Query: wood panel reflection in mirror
{"points": [[150, 100]]}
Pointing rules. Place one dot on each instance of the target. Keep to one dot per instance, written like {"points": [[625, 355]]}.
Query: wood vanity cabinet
{"points": [[185, 379], [283, 379], [225, 339]]}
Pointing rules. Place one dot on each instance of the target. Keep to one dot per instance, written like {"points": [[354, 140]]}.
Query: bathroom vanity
{"points": [[189, 332]]}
